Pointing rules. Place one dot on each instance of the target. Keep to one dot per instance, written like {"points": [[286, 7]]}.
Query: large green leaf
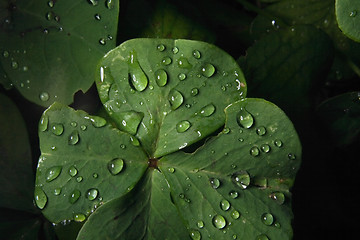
{"points": [[50, 48], [348, 18], [158, 90], [83, 163], [237, 184]]}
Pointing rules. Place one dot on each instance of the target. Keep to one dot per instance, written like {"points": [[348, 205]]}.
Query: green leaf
{"points": [[83, 164], [4, 79], [341, 118], [158, 90], [347, 18], [224, 189], [50, 48], [16, 174], [145, 213], [285, 65]]}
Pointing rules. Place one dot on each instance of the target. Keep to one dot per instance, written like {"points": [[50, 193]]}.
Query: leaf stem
{"points": [[354, 67]]}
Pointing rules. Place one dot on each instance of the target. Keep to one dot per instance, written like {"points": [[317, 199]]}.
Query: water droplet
{"points": [[79, 179], [267, 219], [200, 224], [44, 96], [353, 13], [134, 141], [278, 143], [109, 4], [97, 17], [166, 61], [183, 126], [184, 63], [122, 146], [52, 173], [226, 130], [92, 194], [79, 217], [73, 124], [241, 179], [219, 221], [57, 191], [234, 194], [175, 50], [171, 170], [96, 121], [138, 78], [277, 225], [194, 92], [261, 131], [262, 237], [6, 54], [182, 76], [234, 236], [161, 77], [196, 54], [291, 156], [245, 119], [278, 197], [235, 214], [51, 4], [265, 148], [73, 171], [74, 196], [254, 151], [74, 138], [95, 175], [57, 129], [93, 2], [83, 127], [43, 124], [215, 183], [175, 99], [225, 205], [208, 110], [40, 197], [116, 165], [130, 121], [194, 234], [160, 47], [208, 70]]}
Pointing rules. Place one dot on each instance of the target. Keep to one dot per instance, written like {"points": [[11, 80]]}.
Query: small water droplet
{"points": [[254, 151], [51, 4], [261, 131], [353, 13], [278, 197], [109, 4], [182, 76], [267, 219], [171, 169], [265, 148], [44, 96], [40, 197], [79, 179], [195, 234], [215, 183], [175, 50], [183, 126], [241, 179], [262, 237], [160, 47], [93, 2], [196, 54], [291, 156], [83, 127], [92, 194], [6, 54], [161, 77], [95, 175], [235, 214], [97, 17], [219, 221], [134, 141], [79, 217], [52, 173], [278, 143], [226, 130], [200, 224], [57, 191], [74, 196], [194, 91], [208, 110], [43, 124], [74, 138], [166, 61], [138, 78], [225, 205], [97, 121], [184, 63], [175, 99], [57, 129], [102, 41], [234, 194], [208, 70], [245, 119], [73, 124], [73, 171], [277, 225], [116, 165]]}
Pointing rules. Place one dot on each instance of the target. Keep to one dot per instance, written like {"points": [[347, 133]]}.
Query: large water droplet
{"points": [[278, 197], [225, 205], [115, 166], [43, 124], [215, 183], [208, 70], [138, 78], [92, 194], [184, 63], [74, 196], [195, 234], [196, 54], [219, 221], [44, 96], [40, 197], [134, 141], [265, 148], [160, 47], [79, 217], [267, 219], [175, 99], [245, 119], [52, 173], [130, 121], [57, 129], [161, 77], [208, 110], [241, 179], [262, 237], [74, 138], [73, 171], [183, 126], [235, 214], [175, 50], [254, 151]]}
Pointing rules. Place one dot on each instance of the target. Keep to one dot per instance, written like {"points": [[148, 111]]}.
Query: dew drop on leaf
{"points": [[73, 124], [219, 221], [52, 173], [92, 194], [184, 63], [208, 110], [97, 121], [234, 194], [175, 50], [208, 70], [44, 122], [115, 166], [97, 16], [241, 179], [245, 119], [79, 179], [109, 4], [196, 54], [83, 127], [291, 156], [194, 91], [57, 129], [278, 143], [44, 96], [200, 224], [171, 169], [74, 196], [160, 47], [225, 205], [195, 234], [215, 183], [254, 151], [130, 121], [278, 197], [175, 99], [262, 237], [73, 171], [235, 214], [353, 13], [40, 197], [134, 141], [267, 219], [161, 77], [261, 131], [183, 126], [265, 148], [93, 2], [74, 138], [138, 78], [6, 54], [182, 76], [14, 65], [95, 175], [166, 61], [57, 191], [79, 217]]}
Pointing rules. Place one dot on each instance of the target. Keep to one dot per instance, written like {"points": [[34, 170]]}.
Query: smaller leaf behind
{"points": [[347, 16]]}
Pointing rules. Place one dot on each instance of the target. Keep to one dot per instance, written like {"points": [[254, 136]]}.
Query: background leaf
{"points": [[346, 16], [49, 48], [159, 90], [237, 184], [83, 164]]}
